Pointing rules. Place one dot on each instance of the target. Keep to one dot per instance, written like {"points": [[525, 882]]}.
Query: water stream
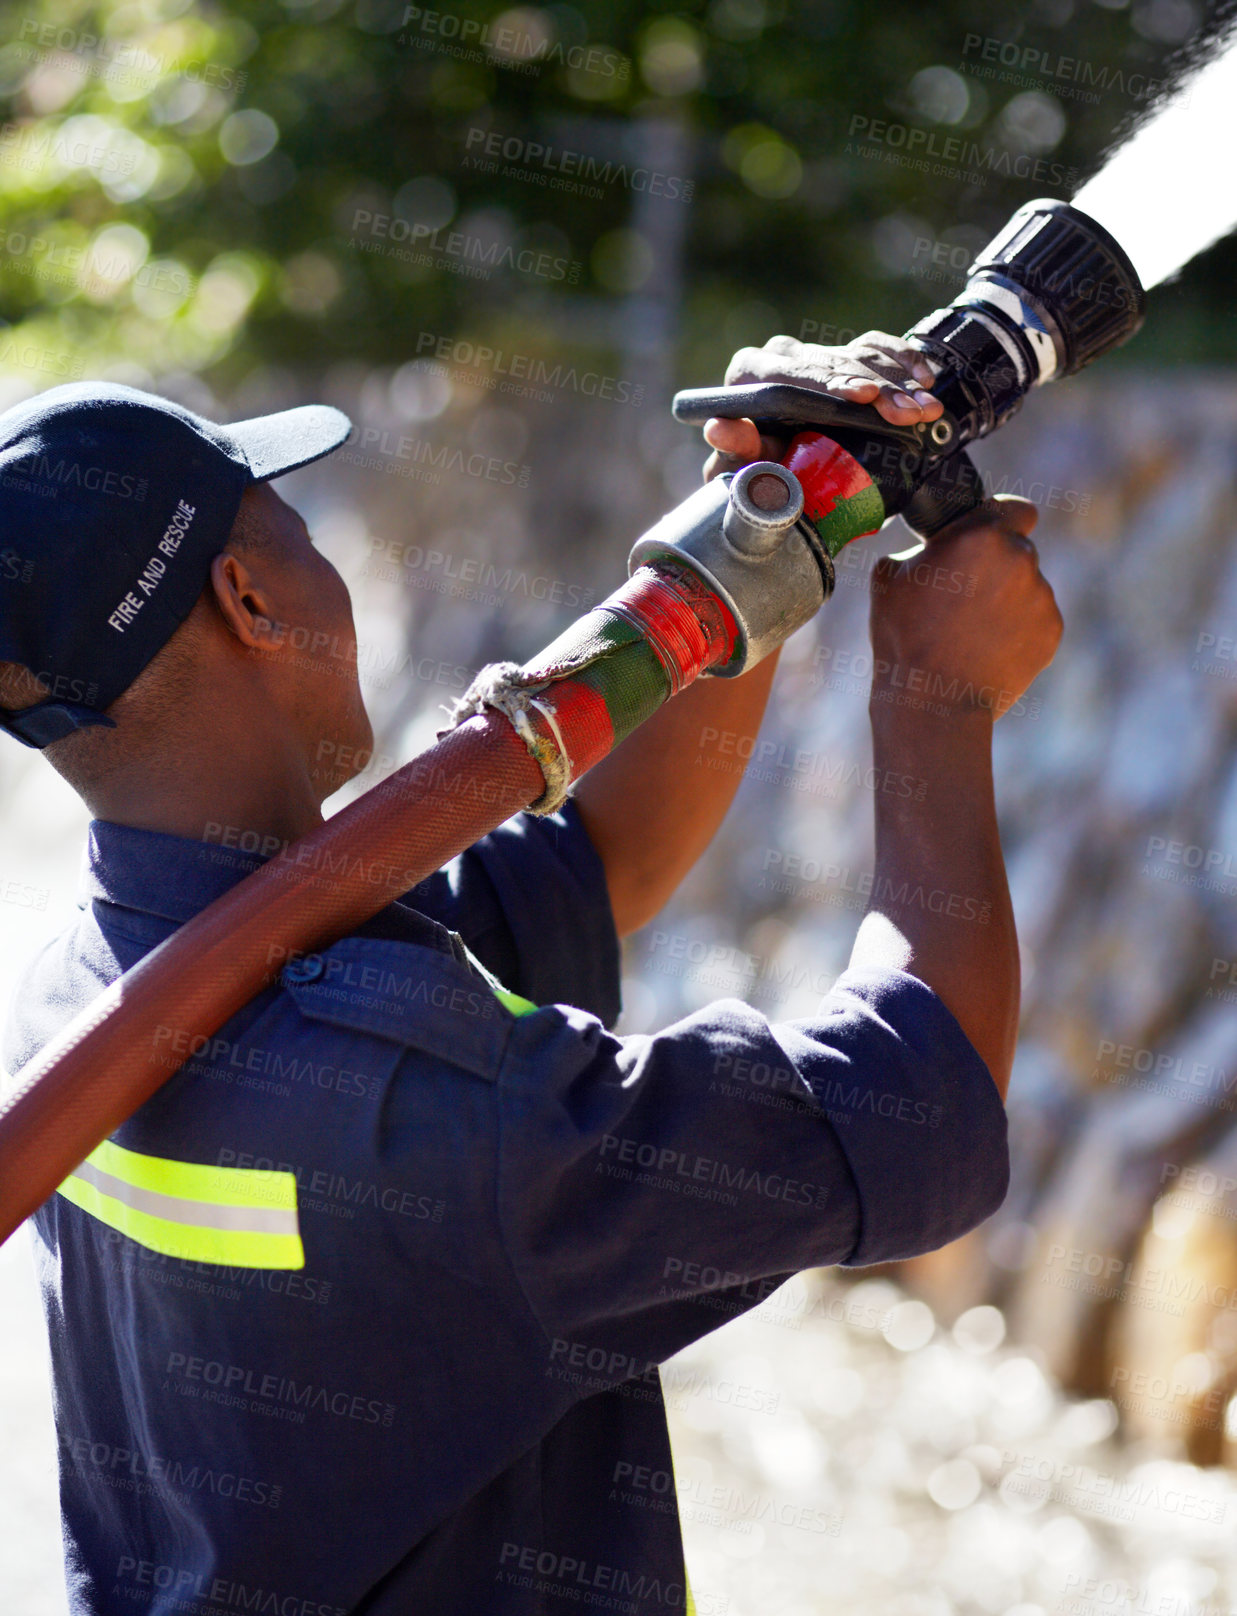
{"points": [[1170, 191]]}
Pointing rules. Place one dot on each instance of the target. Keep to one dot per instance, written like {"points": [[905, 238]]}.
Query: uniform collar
{"points": [[173, 877], [157, 874]]}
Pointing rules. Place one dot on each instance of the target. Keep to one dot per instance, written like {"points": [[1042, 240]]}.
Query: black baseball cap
{"points": [[113, 504]]}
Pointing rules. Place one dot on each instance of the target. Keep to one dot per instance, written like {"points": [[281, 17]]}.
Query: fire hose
{"points": [[715, 586]]}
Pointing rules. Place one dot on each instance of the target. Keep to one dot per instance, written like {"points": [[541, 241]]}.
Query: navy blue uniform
{"points": [[499, 1224]]}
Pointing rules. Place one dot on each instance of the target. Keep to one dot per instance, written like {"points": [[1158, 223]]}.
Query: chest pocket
{"points": [[413, 995]]}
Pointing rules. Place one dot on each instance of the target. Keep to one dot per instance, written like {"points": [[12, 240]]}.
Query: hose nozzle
{"points": [[1049, 293]]}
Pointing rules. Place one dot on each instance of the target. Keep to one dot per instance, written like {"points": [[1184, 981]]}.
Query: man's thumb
{"points": [[1019, 513]]}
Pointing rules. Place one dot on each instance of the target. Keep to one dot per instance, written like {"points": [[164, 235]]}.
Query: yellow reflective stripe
{"points": [[691, 1603], [233, 1248], [237, 1217], [194, 1181], [518, 1006]]}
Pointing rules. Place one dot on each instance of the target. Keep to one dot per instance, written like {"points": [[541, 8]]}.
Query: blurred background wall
{"points": [[500, 240]]}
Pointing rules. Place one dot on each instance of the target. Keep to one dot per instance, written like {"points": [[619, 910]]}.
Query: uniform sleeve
{"points": [[640, 1176], [530, 900]]}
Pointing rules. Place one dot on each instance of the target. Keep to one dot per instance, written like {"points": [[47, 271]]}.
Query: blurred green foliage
{"points": [[181, 185]]}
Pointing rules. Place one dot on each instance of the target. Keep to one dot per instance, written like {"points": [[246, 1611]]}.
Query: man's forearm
{"points": [[653, 805], [940, 904]]}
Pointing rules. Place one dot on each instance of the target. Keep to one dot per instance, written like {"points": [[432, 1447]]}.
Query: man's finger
{"points": [[735, 439], [903, 407], [912, 360], [736, 444], [747, 365], [895, 404]]}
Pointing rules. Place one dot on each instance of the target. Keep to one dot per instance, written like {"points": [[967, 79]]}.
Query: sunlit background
{"points": [[251, 207]]}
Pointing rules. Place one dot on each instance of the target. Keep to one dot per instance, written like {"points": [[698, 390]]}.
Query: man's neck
{"points": [[253, 801]]}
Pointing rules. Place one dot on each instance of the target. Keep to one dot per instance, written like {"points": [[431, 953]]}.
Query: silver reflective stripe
{"points": [[200, 1214]]}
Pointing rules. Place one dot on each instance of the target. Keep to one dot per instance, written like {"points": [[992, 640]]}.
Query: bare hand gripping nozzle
{"points": [[1049, 293]]}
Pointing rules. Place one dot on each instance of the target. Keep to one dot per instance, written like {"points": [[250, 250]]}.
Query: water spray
{"points": [[1160, 192]]}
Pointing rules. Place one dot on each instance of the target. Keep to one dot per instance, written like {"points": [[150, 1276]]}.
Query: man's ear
{"points": [[244, 605]]}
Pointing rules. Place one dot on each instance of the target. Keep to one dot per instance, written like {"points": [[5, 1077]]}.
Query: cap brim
{"points": [[273, 444]]}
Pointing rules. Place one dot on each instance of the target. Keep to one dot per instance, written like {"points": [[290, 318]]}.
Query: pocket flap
{"points": [[405, 992]]}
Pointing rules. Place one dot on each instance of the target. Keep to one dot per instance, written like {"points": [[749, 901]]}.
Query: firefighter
{"points": [[362, 1311]]}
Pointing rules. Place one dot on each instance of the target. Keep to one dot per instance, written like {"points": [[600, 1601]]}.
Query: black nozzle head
{"points": [[1077, 275]]}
